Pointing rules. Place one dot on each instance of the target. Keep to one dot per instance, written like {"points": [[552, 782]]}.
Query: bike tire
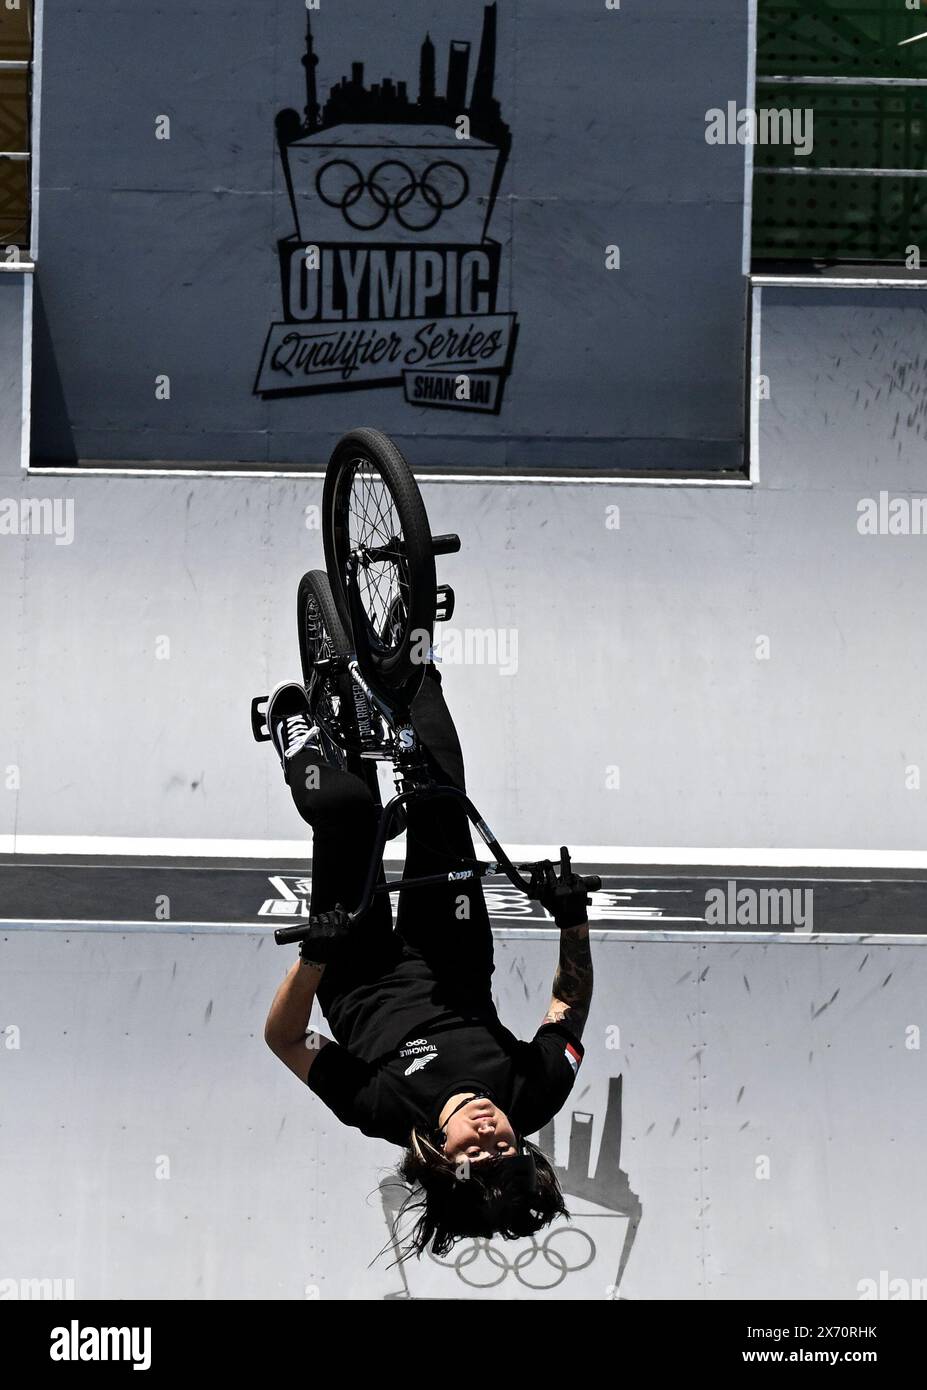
{"points": [[320, 625], [397, 664]]}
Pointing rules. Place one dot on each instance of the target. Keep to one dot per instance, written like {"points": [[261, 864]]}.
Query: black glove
{"points": [[327, 937], [566, 898]]}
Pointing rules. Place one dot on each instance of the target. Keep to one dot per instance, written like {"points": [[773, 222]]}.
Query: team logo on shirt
{"points": [[419, 1063], [421, 1051], [572, 1057]]}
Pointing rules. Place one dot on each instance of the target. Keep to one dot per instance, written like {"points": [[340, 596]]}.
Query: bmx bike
{"points": [[366, 628]]}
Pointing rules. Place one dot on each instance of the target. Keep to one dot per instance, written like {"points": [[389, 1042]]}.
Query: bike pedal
{"points": [[444, 608], [259, 725]]}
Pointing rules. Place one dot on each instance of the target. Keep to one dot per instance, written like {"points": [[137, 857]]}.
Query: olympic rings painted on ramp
{"points": [[540, 1266]]}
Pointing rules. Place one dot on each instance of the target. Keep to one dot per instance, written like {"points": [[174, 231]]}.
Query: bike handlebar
{"points": [[591, 882], [285, 936]]}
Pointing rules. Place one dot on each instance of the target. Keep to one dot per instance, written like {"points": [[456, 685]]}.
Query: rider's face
{"points": [[479, 1132]]}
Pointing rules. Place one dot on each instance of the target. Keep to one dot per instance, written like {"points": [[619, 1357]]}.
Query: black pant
{"points": [[435, 933]]}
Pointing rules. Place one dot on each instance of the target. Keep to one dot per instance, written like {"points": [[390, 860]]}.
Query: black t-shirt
{"points": [[528, 1081]]}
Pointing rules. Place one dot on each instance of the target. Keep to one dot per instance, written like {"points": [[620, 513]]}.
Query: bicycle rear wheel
{"points": [[372, 510], [337, 705]]}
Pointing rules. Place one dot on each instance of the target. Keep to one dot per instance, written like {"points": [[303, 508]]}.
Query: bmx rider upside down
{"points": [[419, 1056]]}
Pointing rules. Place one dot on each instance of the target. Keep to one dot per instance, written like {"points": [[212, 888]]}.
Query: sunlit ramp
{"points": [[735, 1094]]}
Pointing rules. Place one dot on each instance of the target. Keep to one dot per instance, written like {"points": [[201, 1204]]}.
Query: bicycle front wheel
{"points": [[374, 521]]}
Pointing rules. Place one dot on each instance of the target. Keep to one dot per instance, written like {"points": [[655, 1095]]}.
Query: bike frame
{"points": [[402, 746]]}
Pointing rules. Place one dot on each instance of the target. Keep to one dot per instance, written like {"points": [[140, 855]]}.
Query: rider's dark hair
{"points": [[455, 1199]]}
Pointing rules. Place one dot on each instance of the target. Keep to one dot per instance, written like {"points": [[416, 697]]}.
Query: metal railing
{"points": [[16, 93]]}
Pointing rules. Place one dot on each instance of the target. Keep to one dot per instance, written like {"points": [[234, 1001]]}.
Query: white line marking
{"points": [[841, 282], [698, 938], [118, 844], [25, 426], [703, 938], [684, 856], [783, 80], [603, 479], [282, 889], [756, 348], [841, 172]]}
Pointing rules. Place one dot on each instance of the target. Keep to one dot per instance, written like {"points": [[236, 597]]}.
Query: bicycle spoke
{"points": [[324, 711], [373, 525]]}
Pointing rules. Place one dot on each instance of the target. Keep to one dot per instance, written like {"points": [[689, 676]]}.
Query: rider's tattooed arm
{"points": [[572, 988], [287, 1032]]}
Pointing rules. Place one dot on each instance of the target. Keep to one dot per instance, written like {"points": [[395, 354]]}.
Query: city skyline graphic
{"points": [[350, 101]]}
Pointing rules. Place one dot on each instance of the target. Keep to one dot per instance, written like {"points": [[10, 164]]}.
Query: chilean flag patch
{"points": [[572, 1057]]}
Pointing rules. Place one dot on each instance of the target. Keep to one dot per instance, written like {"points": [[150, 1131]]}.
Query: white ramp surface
{"points": [[748, 1123]]}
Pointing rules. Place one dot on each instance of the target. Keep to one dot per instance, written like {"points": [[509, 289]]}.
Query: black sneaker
{"points": [[289, 722]]}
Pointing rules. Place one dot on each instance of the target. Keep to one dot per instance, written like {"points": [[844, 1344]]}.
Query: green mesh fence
{"points": [[15, 176], [861, 127]]}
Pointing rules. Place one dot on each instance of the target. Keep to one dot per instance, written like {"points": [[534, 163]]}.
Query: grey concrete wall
{"points": [[637, 647], [161, 257], [736, 1138]]}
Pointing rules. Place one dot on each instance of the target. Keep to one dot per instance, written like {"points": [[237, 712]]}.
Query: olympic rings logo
{"points": [[392, 187], [482, 1265]]}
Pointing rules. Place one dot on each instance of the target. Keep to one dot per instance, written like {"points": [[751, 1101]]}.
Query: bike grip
{"points": [[592, 882], [285, 936]]}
